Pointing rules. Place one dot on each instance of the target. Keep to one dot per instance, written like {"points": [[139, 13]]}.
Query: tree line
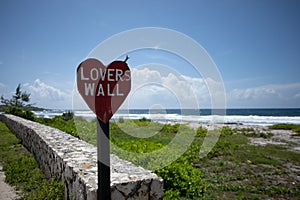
{"points": [[20, 99]]}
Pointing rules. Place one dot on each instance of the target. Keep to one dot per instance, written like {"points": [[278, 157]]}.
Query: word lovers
{"points": [[103, 88]]}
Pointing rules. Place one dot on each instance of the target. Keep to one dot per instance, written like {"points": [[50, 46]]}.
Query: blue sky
{"points": [[254, 44]]}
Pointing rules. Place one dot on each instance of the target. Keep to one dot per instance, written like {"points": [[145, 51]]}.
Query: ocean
{"points": [[262, 117]]}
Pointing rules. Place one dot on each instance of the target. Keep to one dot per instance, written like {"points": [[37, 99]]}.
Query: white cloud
{"points": [[253, 93], [200, 89], [209, 92], [142, 76], [48, 96], [284, 95], [297, 96], [2, 85], [150, 87]]}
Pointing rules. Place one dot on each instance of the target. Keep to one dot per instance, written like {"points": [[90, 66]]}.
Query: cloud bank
{"points": [[266, 96], [152, 89], [48, 96]]}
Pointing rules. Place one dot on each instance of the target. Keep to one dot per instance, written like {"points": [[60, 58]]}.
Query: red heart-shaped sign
{"points": [[103, 88]]}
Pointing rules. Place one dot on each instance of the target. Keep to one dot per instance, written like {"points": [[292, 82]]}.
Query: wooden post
{"points": [[103, 155]]}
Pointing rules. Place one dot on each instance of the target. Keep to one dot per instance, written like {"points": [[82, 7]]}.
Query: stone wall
{"points": [[75, 163]]}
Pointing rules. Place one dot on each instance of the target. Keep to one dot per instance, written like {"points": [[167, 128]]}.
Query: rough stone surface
{"points": [[75, 163]]}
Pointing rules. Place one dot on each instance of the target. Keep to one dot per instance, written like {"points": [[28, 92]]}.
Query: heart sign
{"points": [[103, 88]]}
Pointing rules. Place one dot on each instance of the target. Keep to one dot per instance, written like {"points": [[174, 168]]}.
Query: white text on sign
{"points": [[106, 76]]}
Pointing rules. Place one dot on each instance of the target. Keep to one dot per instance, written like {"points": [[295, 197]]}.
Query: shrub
{"points": [[144, 119], [258, 134], [18, 111], [201, 132], [142, 122], [68, 115], [59, 122], [293, 127], [225, 131], [168, 128], [183, 180], [121, 120]]}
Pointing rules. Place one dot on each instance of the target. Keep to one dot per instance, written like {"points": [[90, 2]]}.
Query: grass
{"points": [[22, 171], [249, 172]]}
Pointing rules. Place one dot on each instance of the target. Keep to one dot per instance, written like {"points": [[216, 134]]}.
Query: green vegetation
{"points": [[293, 127], [26, 114], [68, 116], [22, 170], [18, 105], [258, 134], [19, 99], [3, 108], [59, 122], [233, 169]]}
